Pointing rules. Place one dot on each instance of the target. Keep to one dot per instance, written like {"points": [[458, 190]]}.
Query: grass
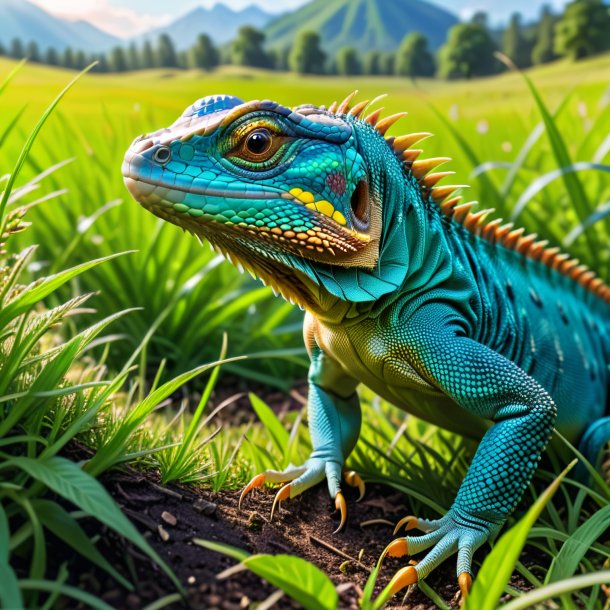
{"points": [[539, 156]]}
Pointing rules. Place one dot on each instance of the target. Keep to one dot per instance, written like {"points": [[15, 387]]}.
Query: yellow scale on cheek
{"points": [[322, 206]]}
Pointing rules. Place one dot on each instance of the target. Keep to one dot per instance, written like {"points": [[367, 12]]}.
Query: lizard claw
{"points": [[410, 522], [353, 479], [403, 578], [341, 506], [465, 582], [396, 548], [256, 483], [280, 496]]}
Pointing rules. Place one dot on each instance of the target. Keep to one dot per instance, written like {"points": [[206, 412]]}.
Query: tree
{"points": [[468, 52], [413, 58], [80, 60], [203, 54], [51, 57], [387, 63], [67, 60], [480, 18], [133, 57], [583, 30], [247, 49], [372, 63], [148, 56], [118, 60], [543, 50], [307, 56], [278, 58], [33, 52], [514, 44], [16, 51], [2, 49], [166, 53], [348, 63]]}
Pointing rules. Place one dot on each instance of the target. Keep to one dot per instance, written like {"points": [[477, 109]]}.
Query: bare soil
{"points": [[171, 517]]}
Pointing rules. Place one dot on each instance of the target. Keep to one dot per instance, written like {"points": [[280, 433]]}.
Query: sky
{"points": [[126, 18]]}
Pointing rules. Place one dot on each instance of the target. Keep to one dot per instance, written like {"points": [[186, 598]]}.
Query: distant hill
{"points": [[220, 23], [362, 24], [26, 21]]}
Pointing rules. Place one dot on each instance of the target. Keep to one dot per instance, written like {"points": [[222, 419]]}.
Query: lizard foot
{"points": [[300, 478], [448, 535]]}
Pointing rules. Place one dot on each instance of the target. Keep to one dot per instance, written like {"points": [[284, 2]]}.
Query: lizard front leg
{"points": [[334, 425], [490, 386]]}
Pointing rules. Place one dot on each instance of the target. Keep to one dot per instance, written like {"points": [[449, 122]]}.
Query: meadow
{"points": [[543, 162]]}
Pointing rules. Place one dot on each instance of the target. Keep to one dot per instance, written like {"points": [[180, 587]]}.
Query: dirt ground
{"points": [[170, 517]]}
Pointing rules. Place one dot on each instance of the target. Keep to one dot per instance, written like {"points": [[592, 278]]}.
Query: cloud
{"points": [[120, 21]]}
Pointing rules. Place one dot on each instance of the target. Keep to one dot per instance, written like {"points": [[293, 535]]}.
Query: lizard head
{"points": [[293, 195]]}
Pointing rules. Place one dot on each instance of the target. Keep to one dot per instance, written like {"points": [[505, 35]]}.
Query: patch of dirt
{"points": [[170, 517]]}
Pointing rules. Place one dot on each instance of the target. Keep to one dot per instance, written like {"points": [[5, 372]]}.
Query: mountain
{"points": [[362, 24], [220, 23], [26, 21]]}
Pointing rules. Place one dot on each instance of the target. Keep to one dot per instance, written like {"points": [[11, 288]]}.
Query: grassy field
{"points": [[492, 129]]}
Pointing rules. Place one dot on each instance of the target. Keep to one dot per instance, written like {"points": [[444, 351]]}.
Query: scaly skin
{"points": [[464, 333]]}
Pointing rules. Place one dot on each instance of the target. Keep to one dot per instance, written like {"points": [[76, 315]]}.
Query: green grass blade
{"points": [[555, 590], [69, 481], [574, 548], [58, 521], [498, 566], [11, 75], [279, 434], [90, 601], [299, 579], [31, 138], [34, 294], [225, 549], [574, 187], [10, 595]]}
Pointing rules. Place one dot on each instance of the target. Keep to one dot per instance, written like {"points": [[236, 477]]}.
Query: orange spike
{"points": [[489, 230], [344, 105], [431, 179], [385, 124], [549, 254], [537, 248], [333, 107], [438, 193], [404, 142], [523, 245], [358, 108], [461, 211], [503, 231], [569, 265], [372, 118], [512, 238], [448, 205], [587, 278], [411, 155], [474, 220], [578, 271], [559, 260], [596, 284], [422, 166]]}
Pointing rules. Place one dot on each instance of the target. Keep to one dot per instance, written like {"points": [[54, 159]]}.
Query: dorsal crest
{"points": [[451, 205]]}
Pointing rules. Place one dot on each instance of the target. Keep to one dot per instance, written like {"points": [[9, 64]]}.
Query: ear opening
{"points": [[360, 206]]}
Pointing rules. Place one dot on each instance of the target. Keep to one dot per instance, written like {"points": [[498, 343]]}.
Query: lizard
{"points": [[465, 322]]}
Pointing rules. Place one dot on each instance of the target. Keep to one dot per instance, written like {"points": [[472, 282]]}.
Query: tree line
{"points": [[582, 30]]}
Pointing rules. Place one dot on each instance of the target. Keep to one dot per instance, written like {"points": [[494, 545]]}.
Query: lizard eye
{"points": [[258, 149], [259, 142], [162, 155]]}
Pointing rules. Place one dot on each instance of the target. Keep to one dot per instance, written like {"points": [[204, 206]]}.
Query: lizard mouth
{"points": [[323, 239]]}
